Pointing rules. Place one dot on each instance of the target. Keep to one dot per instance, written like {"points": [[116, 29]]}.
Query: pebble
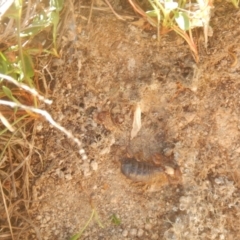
{"points": [[154, 236], [53, 228], [169, 170], [94, 165], [140, 232], [39, 127], [48, 218], [133, 232], [125, 233], [45, 220], [148, 226], [68, 177], [168, 152], [222, 237], [86, 172], [86, 169], [69, 86], [154, 36], [59, 173]]}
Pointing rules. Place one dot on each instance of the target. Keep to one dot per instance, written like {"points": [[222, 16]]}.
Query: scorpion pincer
{"points": [[140, 171]]}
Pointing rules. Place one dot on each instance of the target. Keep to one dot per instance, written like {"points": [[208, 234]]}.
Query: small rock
{"points": [[140, 233], [105, 151], [48, 218], [86, 169], [154, 236], [58, 62], [69, 86], [125, 233], [222, 237], [68, 176], [114, 200], [94, 165], [59, 173], [168, 152], [86, 173], [189, 117], [179, 41], [154, 36], [238, 149], [148, 226], [131, 64], [219, 180], [44, 221], [39, 127], [169, 170], [133, 232]]}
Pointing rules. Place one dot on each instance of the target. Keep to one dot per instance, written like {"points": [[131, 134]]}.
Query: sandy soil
{"points": [[190, 116]]}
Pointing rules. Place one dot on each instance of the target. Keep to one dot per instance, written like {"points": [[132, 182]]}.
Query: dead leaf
{"points": [[136, 122]]}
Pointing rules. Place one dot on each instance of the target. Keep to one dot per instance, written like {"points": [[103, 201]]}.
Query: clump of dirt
{"points": [[189, 116]]}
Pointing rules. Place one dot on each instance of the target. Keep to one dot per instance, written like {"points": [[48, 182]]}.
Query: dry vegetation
{"points": [[105, 65]]}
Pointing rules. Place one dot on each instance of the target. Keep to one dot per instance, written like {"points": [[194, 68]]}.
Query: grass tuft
{"points": [[29, 33]]}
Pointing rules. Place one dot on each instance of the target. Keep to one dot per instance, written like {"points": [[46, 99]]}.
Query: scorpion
{"points": [[148, 173]]}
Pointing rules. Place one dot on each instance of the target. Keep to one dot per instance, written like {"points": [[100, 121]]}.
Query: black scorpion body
{"points": [[140, 171]]}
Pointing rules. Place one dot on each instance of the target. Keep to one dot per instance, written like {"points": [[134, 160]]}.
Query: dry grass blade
{"points": [[31, 224], [49, 118], [8, 30], [6, 210], [90, 14], [29, 7], [19, 27], [15, 161], [25, 87], [234, 58], [114, 12], [16, 144], [68, 20], [13, 177], [139, 10]]}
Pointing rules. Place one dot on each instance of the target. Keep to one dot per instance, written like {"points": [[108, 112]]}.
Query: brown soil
{"points": [[190, 116]]}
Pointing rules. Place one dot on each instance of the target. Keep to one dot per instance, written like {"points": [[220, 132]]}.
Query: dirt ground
{"points": [[190, 116]]}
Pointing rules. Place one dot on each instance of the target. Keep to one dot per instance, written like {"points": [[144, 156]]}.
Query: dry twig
{"points": [[6, 209]]}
